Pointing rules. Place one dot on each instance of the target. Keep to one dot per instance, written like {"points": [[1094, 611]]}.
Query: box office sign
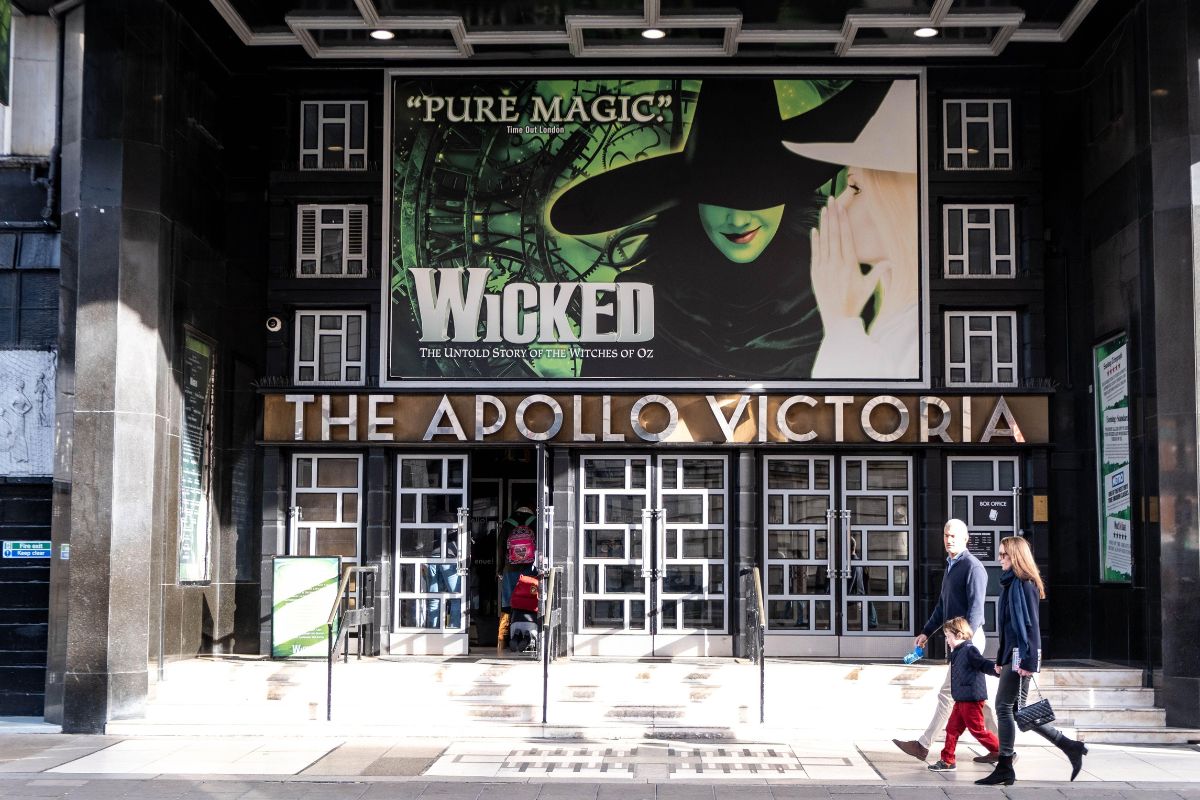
{"points": [[597, 228], [672, 419]]}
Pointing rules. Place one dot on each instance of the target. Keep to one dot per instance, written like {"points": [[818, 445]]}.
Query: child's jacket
{"points": [[967, 670]]}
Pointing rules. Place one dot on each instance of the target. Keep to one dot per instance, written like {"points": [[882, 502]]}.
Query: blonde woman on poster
{"points": [[865, 247]]}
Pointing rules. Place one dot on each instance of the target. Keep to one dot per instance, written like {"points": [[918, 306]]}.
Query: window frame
{"points": [[964, 119], [990, 226], [345, 226], [995, 315], [361, 362], [347, 151], [299, 524]]}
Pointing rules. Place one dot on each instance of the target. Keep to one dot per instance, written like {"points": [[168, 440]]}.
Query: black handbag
{"points": [[1034, 714]]}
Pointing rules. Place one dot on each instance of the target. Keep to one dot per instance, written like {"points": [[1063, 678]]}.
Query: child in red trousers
{"points": [[967, 686]]}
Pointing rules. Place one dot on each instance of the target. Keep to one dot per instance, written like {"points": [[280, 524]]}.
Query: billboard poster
{"points": [[707, 229], [304, 589], [1111, 390]]}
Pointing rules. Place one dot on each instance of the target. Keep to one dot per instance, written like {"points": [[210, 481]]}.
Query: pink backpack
{"points": [[522, 543]]}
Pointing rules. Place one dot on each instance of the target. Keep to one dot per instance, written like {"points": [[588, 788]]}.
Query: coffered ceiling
{"points": [[467, 30]]}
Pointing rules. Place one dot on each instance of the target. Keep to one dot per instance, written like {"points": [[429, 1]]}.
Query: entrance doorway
{"points": [[502, 481], [654, 539], [838, 538]]}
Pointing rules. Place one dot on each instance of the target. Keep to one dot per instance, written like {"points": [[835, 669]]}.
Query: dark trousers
{"points": [[1009, 697]]}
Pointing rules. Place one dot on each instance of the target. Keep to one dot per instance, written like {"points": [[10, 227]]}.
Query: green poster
{"points": [[608, 228], [1114, 485], [303, 593]]}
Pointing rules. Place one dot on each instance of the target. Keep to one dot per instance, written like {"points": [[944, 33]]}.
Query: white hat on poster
{"points": [[887, 142]]}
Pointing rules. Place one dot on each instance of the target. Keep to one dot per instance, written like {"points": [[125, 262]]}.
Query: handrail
{"points": [[342, 619], [758, 612], [548, 638]]}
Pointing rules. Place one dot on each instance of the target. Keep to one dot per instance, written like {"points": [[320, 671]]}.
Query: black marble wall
{"points": [[159, 210]]}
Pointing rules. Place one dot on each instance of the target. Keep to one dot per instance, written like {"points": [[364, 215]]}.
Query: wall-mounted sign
{"points": [[992, 510], [195, 435], [589, 229], [1111, 390], [26, 549], [982, 545], [303, 591], [637, 419]]}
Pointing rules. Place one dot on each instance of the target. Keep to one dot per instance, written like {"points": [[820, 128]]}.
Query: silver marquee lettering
{"points": [[839, 402], [300, 400], [728, 426], [636, 412], [374, 420], [523, 427], [1013, 430], [943, 424], [874, 403], [435, 428], [782, 423], [482, 430]]}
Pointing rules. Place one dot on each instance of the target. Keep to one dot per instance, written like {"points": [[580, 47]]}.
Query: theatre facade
{"points": [[725, 328]]}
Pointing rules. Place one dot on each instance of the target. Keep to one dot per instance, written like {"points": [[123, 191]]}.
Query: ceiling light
{"points": [[653, 33], [1159, 93], [383, 36], [925, 33]]}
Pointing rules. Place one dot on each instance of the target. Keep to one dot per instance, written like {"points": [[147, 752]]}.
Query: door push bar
{"points": [[650, 518], [838, 522], [464, 542]]}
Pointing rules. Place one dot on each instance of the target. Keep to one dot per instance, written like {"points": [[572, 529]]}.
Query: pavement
{"points": [[86, 767]]}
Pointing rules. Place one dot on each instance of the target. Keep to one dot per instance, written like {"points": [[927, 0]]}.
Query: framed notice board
{"points": [[302, 594], [1113, 473]]}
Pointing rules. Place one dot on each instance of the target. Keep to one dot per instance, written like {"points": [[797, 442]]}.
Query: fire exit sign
{"points": [[22, 549]]}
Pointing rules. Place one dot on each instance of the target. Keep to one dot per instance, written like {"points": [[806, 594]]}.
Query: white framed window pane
{"points": [[333, 135], [981, 348], [977, 134], [331, 240], [329, 347]]}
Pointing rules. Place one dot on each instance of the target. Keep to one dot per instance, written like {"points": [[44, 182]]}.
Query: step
{"points": [[1095, 677], [1124, 717], [1102, 697], [1120, 734]]}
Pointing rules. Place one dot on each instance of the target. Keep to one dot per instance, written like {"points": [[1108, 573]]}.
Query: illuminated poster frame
{"points": [[601, 335], [1114, 484]]}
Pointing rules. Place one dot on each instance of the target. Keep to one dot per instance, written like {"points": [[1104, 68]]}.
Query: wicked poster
{"points": [[715, 229]]}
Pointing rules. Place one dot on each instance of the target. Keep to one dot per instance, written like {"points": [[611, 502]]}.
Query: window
{"points": [[978, 134], [328, 500], [981, 348], [329, 346], [331, 241], [979, 241], [333, 135], [981, 495]]}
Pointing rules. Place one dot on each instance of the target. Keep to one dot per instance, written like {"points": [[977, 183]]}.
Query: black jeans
{"points": [[1009, 697]]}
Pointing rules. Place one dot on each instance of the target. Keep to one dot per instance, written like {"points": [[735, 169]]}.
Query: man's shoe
{"points": [[913, 748], [941, 766]]}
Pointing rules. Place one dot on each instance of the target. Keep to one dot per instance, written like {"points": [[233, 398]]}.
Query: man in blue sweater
{"points": [[964, 588]]}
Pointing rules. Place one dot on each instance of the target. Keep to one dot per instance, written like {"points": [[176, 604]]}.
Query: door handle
{"points": [[844, 529]]}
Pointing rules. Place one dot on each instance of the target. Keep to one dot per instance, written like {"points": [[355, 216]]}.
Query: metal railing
{"points": [[345, 617], [550, 636], [755, 633]]}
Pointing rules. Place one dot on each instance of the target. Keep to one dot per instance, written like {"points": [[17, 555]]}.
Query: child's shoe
{"points": [[941, 766]]}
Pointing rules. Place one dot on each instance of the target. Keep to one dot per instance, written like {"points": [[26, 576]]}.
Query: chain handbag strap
{"points": [[1036, 688]]}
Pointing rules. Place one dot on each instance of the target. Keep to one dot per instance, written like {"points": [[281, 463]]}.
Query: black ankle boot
{"points": [[1002, 774], [1074, 751]]}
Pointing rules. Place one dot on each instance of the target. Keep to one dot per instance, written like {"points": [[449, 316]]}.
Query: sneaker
{"points": [[987, 758], [941, 766]]}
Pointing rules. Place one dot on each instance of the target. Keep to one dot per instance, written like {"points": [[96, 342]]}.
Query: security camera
{"points": [[274, 324]]}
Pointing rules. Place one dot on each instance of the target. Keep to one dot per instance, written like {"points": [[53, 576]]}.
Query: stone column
{"points": [[1171, 222], [109, 491]]}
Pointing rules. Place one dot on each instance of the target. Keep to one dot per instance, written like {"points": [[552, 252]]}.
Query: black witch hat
{"points": [[734, 157]]}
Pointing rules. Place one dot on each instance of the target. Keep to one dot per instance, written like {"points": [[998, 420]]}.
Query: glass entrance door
{"points": [[653, 556], [430, 556], [838, 553]]}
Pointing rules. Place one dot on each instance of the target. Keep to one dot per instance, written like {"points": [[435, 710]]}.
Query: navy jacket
{"points": [[963, 590], [1025, 645], [967, 670]]}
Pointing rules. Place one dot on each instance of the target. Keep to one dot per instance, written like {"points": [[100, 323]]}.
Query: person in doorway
{"points": [[518, 539], [1020, 656], [967, 685], [964, 588]]}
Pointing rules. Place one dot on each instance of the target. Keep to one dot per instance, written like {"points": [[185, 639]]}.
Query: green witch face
{"points": [[741, 236]]}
